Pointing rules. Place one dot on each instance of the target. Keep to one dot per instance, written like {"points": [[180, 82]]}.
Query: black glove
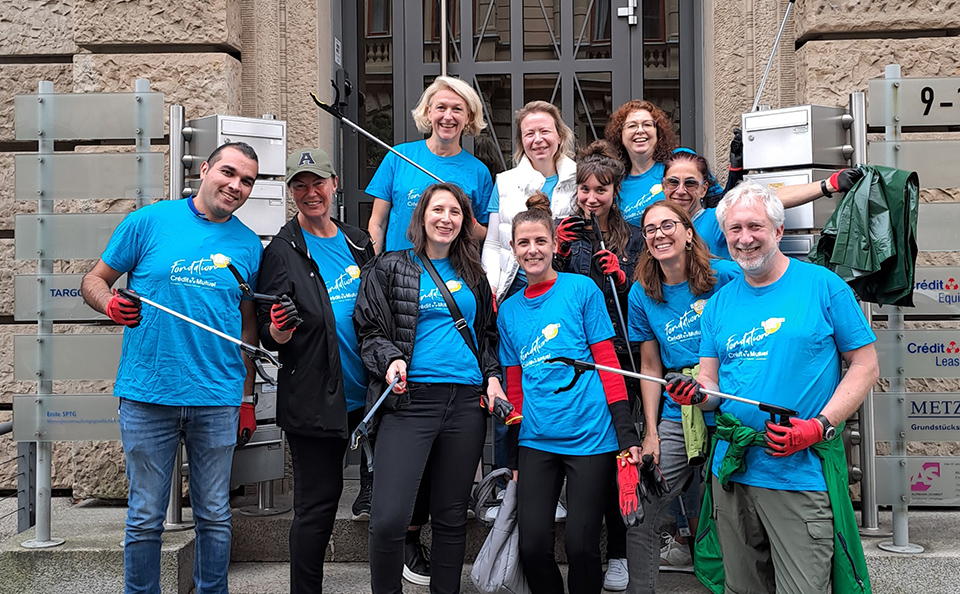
{"points": [[683, 389], [284, 314], [736, 150], [844, 179], [652, 483]]}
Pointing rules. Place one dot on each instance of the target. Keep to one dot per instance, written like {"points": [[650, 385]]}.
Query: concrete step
{"points": [[354, 578]]}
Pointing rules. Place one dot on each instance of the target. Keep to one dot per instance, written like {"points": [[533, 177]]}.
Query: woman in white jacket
{"points": [[544, 144]]}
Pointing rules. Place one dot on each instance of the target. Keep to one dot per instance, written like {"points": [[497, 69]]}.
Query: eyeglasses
{"points": [[667, 227], [689, 184], [631, 127]]}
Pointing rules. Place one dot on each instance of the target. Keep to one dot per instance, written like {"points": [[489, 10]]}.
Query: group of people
{"points": [[460, 295]]}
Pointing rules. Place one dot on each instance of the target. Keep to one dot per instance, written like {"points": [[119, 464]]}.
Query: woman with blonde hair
{"points": [[448, 109], [542, 158]]}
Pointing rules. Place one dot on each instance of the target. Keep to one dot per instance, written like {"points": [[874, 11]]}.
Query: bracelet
{"points": [[823, 189]]}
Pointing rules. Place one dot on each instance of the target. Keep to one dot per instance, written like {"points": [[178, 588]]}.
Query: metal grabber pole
{"points": [[773, 52]]}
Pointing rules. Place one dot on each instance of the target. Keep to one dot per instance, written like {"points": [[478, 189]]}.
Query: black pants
{"points": [[589, 479], [441, 430]]}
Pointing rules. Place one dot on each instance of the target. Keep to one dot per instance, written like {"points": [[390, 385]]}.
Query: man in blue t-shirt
{"points": [[779, 335], [176, 381]]}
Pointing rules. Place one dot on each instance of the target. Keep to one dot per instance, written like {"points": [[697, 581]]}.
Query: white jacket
{"points": [[514, 187]]}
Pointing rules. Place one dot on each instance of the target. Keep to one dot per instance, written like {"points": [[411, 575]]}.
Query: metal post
{"points": [[45, 117], [177, 173], [901, 532], [868, 444], [174, 520], [26, 485], [443, 37]]}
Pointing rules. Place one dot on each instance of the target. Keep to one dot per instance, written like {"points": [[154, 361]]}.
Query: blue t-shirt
{"points": [[564, 321], [440, 355], [781, 344], [178, 260], [401, 184], [341, 275], [675, 324], [706, 224], [549, 184], [640, 191]]}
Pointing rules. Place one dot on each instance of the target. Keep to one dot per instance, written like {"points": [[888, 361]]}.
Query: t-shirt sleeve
{"points": [[708, 347], [850, 328], [482, 198], [508, 356], [124, 248], [381, 186], [494, 204], [638, 324], [597, 326]]}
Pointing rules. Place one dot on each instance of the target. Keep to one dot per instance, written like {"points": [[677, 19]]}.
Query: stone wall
{"points": [[233, 57]]}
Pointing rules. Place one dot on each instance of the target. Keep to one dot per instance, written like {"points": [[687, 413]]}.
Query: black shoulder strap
{"points": [[458, 319]]}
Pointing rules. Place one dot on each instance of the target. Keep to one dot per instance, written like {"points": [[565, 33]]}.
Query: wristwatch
{"points": [[824, 189], [829, 431]]}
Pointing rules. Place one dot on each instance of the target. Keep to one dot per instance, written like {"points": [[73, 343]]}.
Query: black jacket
{"points": [[386, 320], [581, 261], [310, 398]]}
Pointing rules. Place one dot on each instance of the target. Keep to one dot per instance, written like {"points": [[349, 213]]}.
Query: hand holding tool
{"points": [[595, 223], [284, 314], [683, 389], [610, 265], [124, 308], [361, 435], [569, 230]]}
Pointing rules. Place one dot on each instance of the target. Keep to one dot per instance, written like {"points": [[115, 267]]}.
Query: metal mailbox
{"points": [[799, 136], [265, 211], [267, 137], [812, 215]]}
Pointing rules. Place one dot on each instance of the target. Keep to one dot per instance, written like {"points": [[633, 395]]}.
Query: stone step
{"points": [[354, 578]]}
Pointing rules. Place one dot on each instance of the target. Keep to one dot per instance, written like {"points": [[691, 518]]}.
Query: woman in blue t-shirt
{"points": [[686, 179], [643, 134], [675, 278], [432, 426], [599, 175], [448, 109], [575, 434]]}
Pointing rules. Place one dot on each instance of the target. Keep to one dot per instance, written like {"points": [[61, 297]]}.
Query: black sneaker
{"points": [[416, 560], [361, 505]]}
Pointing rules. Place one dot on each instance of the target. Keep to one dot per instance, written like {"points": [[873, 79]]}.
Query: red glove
{"points": [[800, 435], [125, 310], [569, 230], [248, 423], [284, 314], [844, 179], [610, 265], [683, 389], [628, 482]]}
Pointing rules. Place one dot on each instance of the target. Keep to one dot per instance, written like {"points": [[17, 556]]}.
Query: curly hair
{"points": [[649, 274], [563, 130], [600, 160], [464, 254], [475, 121], [666, 139]]}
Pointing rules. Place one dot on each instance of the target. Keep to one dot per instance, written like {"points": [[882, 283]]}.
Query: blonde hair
{"points": [[475, 122], [563, 130]]}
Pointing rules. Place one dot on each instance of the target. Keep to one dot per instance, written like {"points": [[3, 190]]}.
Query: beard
{"points": [[754, 263]]}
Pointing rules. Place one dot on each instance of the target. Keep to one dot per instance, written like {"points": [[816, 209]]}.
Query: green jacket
{"points": [[849, 565], [870, 241]]}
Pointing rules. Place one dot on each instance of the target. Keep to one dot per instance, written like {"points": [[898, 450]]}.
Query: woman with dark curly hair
{"points": [[643, 135]]}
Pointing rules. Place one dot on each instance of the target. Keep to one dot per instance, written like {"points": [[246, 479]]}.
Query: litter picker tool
{"points": [[361, 435], [613, 286], [335, 111], [247, 291], [778, 414], [773, 52], [256, 354]]}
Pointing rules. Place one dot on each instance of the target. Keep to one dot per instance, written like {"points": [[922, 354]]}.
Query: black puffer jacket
{"points": [[310, 397], [386, 319]]}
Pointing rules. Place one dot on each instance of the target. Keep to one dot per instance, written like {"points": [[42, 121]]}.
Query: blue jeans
{"points": [[151, 435]]}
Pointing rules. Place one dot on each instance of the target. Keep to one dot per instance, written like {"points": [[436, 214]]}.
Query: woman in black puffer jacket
{"points": [[433, 419]]}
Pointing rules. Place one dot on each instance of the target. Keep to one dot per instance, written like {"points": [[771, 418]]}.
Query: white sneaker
{"points": [[675, 556], [617, 576], [561, 515]]}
